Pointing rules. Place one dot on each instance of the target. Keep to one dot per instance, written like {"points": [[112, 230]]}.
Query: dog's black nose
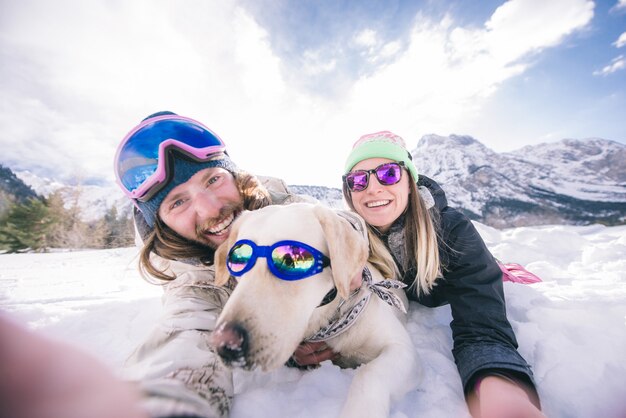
{"points": [[231, 343]]}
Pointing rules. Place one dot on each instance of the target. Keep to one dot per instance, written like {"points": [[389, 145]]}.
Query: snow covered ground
{"points": [[571, 327]]}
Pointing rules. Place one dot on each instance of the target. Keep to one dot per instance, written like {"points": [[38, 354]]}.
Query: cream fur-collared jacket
{"points": [[175, 367]]}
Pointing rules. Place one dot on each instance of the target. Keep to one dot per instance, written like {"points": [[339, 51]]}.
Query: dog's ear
{"points": [[221, 271], [348, 248]]}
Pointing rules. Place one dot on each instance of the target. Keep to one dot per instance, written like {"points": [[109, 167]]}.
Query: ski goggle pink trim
{"points": [[387, 174], [141, 160]]}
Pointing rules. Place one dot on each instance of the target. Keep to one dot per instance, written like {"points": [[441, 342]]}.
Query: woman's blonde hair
{"points": [[166, 243], [421, 250]]}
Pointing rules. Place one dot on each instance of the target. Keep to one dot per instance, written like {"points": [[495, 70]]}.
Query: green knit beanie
{"points": [[382, 144]]}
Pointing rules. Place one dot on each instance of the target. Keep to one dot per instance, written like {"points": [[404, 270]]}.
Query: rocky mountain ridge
{"points": [[570, 181], [565, 182]]}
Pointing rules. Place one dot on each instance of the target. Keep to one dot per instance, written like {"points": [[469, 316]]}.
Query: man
{"points": [[187, 192]]}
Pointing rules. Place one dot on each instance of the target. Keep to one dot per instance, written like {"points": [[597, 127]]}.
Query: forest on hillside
{"points": [[41, 224]]}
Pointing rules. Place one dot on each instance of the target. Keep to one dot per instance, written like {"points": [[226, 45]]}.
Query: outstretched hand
{"points": [[497, 397], [313, 353], [42, 378]]}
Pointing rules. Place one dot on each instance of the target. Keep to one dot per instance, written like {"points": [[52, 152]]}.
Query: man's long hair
{"points": [[166, 243]]}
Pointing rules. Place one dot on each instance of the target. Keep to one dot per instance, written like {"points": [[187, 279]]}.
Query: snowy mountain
{"points": [[93, 201], [571, 181], [329, 196], [567, 182], [12, 189]]}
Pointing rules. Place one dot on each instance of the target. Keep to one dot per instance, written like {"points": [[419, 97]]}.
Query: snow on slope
{"points": [[571, 327]]}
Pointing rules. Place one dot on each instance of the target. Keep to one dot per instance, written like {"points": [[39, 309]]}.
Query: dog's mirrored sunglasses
{"points": [[287, 260], [387, 174]]}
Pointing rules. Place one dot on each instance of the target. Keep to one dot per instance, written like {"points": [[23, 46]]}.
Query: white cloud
{"points": [[440, 81], [111, 64], [79, 81], [621, 41], [374, 48], [366, 38], [314, 63], [618, 63], [390, 49], [619, 6], [521, 27]]}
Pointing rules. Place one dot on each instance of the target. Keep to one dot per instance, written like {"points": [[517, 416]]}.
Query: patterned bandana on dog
{"points": [[341, 323]]}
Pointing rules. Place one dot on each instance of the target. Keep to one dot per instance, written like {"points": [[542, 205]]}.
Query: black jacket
{"points": [[484, 341]]}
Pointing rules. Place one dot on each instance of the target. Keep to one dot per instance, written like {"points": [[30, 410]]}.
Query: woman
{"points": [[439, 253]]}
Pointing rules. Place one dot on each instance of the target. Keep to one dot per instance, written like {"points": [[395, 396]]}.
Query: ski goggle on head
{"points": [[142, 160], [287, 260], [387, 174]]}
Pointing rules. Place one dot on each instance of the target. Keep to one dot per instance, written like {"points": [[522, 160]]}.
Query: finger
{"points": [[511, 410], [310, 347], [315, 357]]}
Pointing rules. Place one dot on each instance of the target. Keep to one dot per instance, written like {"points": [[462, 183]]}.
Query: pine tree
{"points": [[70, 231], [26, 226], [98, 234], [120, 229], [58, 232]]}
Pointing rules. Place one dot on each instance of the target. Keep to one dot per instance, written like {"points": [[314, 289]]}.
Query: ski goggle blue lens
{"points": [[141, 161], [287, 260]]}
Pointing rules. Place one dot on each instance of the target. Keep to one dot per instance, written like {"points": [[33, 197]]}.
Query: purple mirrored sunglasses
{"points": [[387, 174]]}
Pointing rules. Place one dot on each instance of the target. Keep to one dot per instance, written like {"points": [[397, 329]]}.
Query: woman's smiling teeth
{"points": [[377, 203], [222, 226]]}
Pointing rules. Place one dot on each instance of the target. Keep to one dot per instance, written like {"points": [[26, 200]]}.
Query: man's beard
{"points": [[202, 231]]}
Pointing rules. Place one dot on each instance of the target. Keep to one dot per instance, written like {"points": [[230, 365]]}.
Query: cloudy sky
{"points": [[291, 84]]}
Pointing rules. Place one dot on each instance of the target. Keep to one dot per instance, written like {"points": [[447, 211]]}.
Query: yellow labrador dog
{"points": [[294, 265]]}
